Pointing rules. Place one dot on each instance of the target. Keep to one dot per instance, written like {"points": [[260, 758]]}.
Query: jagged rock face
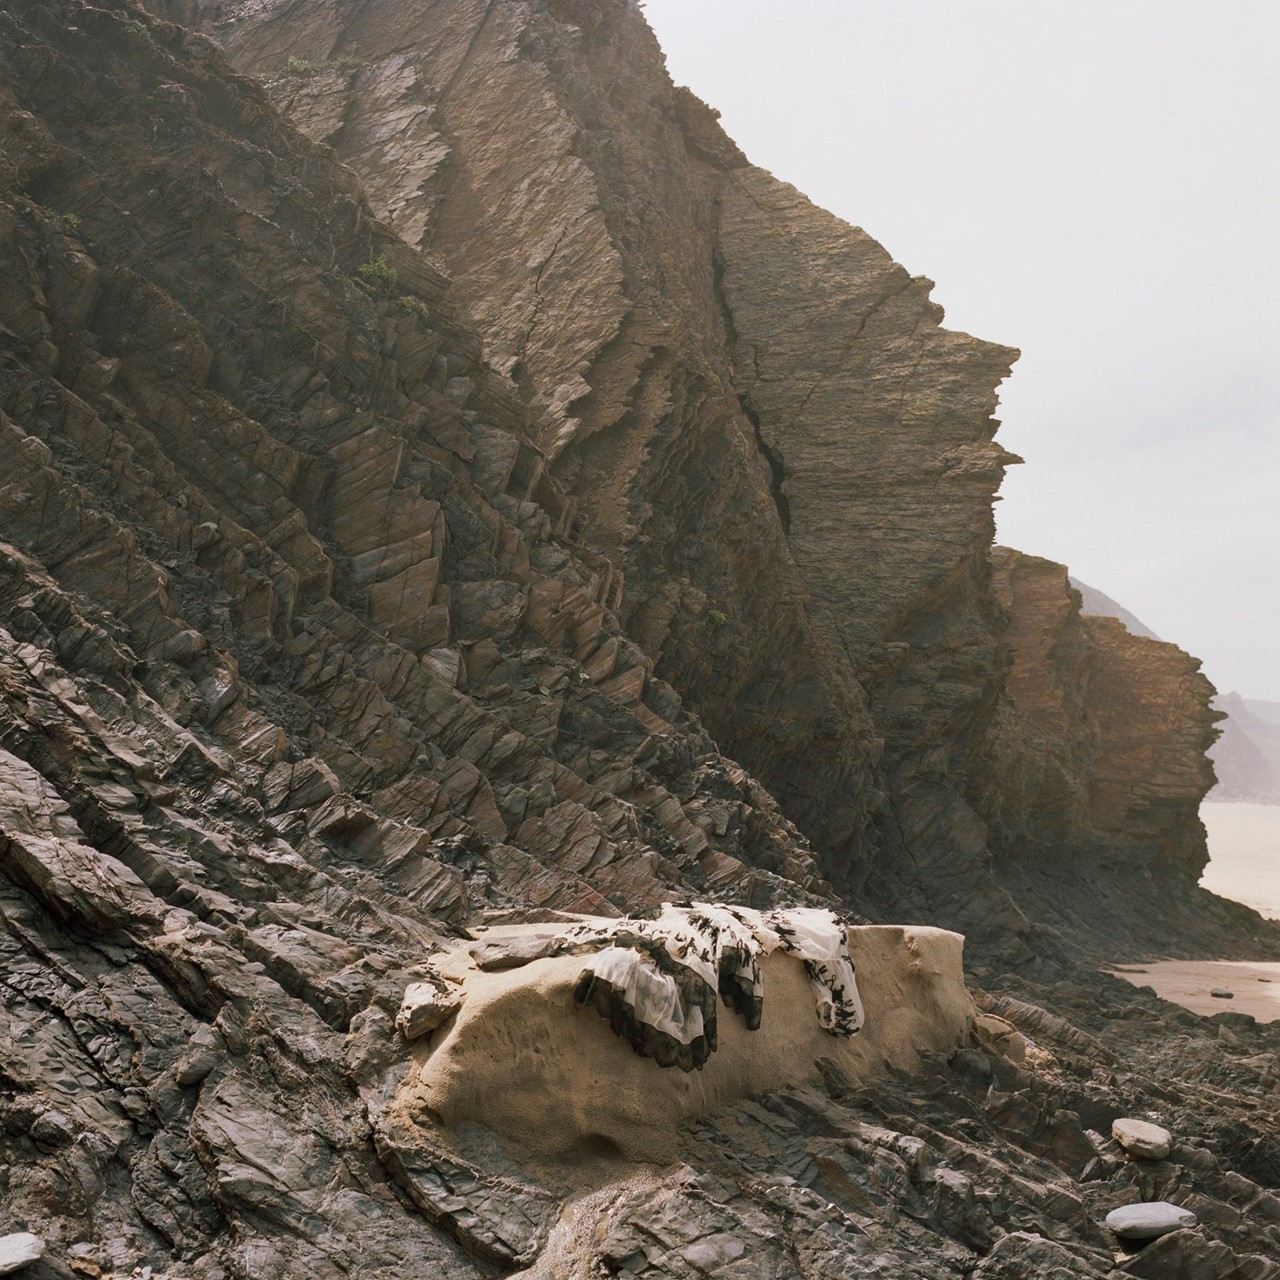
{"points": [[307, 504], [541, 153], [1155, 726], [878, 423], [757, 411], [297, 672], [1101, 756]]}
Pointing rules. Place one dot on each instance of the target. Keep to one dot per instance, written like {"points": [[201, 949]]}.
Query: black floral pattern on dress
{"points": [[658, 983]]}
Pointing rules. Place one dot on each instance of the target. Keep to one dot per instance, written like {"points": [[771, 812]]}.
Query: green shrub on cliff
{"points": [[377, 275], [301, 67], [414, 306]]}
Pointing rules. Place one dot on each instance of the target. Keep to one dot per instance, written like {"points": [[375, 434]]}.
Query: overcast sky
{"points": [[1097, 183]]}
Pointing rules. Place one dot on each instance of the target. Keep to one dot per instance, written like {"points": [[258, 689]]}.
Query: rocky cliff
{"points": [[1099, 757], [381, 548], [1246, 756], [761, 419]]}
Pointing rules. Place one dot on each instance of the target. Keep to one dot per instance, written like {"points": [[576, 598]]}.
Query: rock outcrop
{"points": [[757, 412], [524, 1061], [1099, 757]]}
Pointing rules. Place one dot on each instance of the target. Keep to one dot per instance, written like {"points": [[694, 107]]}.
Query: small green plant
{"points": [[716, 618], [70, 222], [414, 306], [378, 275], [137, 28], [301, 67]]}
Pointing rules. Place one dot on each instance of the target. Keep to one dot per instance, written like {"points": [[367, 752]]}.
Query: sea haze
{"points": [[1244, 854]]}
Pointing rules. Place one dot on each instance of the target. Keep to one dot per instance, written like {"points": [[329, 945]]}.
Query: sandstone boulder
{"points": [[426, 1006], [525, 1061]]}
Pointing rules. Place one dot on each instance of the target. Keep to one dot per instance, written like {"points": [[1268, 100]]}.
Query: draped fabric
{"points": [[659, 982]]}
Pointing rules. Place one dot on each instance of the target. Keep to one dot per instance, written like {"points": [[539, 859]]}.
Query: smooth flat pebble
{"points": [[1148, 1220], [1142, 1139]]}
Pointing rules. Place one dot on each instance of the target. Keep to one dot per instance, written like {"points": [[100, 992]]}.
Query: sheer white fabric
{"points": [[659, 982]]}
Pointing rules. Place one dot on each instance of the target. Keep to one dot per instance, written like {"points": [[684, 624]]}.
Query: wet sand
{"points": [[1255, 984]]}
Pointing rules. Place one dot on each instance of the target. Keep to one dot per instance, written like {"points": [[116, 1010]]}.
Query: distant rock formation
{"points": [[1094, 602], [1247, 756]]}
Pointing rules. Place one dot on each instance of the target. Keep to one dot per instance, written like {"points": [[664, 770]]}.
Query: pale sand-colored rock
{"points": [[1188, 982], [1148, 1220], [426, 1006], [524, 1061], [1142, 1139]]}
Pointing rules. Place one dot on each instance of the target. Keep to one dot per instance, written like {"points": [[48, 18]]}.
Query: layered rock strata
{"points": [[248, 442], [1099, 755], [300, 667], [762, 421]]}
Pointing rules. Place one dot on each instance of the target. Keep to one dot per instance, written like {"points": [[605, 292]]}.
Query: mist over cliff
{"points": [[1247, 756]]}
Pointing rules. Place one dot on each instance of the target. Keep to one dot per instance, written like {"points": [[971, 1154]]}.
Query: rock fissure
{"points": [[777, 471]]}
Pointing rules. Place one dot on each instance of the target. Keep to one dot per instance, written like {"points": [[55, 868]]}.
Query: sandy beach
{"points": [[1244, 854], [1255, 984]]}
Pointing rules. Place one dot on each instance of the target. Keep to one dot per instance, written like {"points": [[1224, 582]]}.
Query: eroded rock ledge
{"points": [[523, 1059]]}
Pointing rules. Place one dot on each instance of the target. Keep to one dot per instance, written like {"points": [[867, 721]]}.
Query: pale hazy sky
{"points": [[1097, 183]]}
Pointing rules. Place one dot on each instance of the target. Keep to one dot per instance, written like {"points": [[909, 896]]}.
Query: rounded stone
{"points": [[1142, 1139], [1148, 1220]]}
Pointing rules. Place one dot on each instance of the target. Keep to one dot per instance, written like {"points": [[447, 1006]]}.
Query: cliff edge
{"points": [[763, 423]]}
